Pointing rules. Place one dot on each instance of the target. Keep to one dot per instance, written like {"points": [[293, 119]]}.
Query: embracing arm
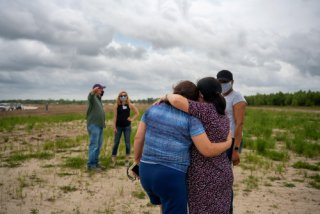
{"points": [[115, 112], [178, 102], [208, 149], [139, 142]]}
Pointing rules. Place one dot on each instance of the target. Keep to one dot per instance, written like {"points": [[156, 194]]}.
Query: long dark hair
{"points": [[210, 89], [187, 89]]}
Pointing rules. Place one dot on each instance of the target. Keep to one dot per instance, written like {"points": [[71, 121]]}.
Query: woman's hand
{"points": [[161, 100], [235, 157]]}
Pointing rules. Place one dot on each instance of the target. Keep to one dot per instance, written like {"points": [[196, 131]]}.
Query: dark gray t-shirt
{"points": [[95, 112]]}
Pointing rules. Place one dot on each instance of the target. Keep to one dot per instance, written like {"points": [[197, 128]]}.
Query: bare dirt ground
{"points": [[46, 186]]}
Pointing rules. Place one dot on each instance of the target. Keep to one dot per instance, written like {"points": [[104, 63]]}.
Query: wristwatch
{"points": [[236, 148]]}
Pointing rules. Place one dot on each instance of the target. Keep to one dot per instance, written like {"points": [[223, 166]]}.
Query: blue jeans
{"points": [[127, 132], [96, 140], [165, 186]]}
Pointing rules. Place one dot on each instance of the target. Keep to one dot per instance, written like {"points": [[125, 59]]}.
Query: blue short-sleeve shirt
{"points": [[168, 136]]}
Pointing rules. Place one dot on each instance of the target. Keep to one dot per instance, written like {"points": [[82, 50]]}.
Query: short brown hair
{"points": [[187, 89]]}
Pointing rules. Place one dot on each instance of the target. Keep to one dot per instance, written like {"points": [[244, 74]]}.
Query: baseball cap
{"points": [[98, 85], [224, 75]]}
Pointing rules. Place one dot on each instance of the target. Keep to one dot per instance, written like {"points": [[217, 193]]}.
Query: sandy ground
{"points": [[33, 187], [112, 192]]}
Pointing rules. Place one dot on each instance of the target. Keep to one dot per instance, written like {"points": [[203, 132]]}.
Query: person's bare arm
{"points": [[136, 112], [139, 142], [115, 112], [208, 149], [238, 113], [178, 102]]}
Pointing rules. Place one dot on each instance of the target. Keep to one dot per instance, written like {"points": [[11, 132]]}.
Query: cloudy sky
{"points": [[60, 48]]}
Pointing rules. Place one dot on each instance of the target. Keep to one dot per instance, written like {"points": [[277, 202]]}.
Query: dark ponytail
{"points": [[220, 104], [210, 89]]}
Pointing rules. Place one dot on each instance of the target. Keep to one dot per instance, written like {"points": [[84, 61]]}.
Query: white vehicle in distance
{"points": [[5, 107]]}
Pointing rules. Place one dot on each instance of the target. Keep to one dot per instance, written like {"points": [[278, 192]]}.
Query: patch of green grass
{"points": [[18, 157], [274, 178], [42, 155], [108, 210], [30, 126], [280, 169], [267, 184], [277, 156], [302, 146], [75, 162], [62, 174], [298, 180], [34, 179], [253, 161], [305, 165], [139, 194], [315, 177], [15, 159], [283, 137], [150, 205], [105, 162], [6, 139], [315, 183], [67, 189], [299, 131], [81, 138], [22, 182], [290, 185], [274, 206], [34, 211], [251, 183], [60, 144], [8, 123]]}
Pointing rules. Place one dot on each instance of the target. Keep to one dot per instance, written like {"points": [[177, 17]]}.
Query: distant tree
{"points": [[299, 98]]}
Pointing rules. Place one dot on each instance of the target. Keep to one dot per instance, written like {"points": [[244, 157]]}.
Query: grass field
{"points": [[43, 164]]}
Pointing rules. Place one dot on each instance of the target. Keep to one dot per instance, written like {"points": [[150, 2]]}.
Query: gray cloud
{"points": [[48, 23], [302, 50], [59, 49]]}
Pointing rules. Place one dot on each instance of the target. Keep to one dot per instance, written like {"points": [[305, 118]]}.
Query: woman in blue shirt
{"points": [[162, 148]]}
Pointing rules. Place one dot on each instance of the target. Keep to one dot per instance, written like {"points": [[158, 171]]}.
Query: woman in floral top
{"points": [[209, 179]]}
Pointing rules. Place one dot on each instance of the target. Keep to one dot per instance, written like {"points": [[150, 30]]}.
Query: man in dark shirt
{"points": [[95, 125]]}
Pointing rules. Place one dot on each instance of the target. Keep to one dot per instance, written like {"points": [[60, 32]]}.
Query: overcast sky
{"points": [[60, 48]]}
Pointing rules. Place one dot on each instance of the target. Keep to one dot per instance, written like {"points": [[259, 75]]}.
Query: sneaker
{"points": [[113, 163], [100, 167], [94, 169], [126, 163]]}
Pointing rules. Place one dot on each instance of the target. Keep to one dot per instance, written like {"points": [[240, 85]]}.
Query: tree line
{"points": [[299, 98]]}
